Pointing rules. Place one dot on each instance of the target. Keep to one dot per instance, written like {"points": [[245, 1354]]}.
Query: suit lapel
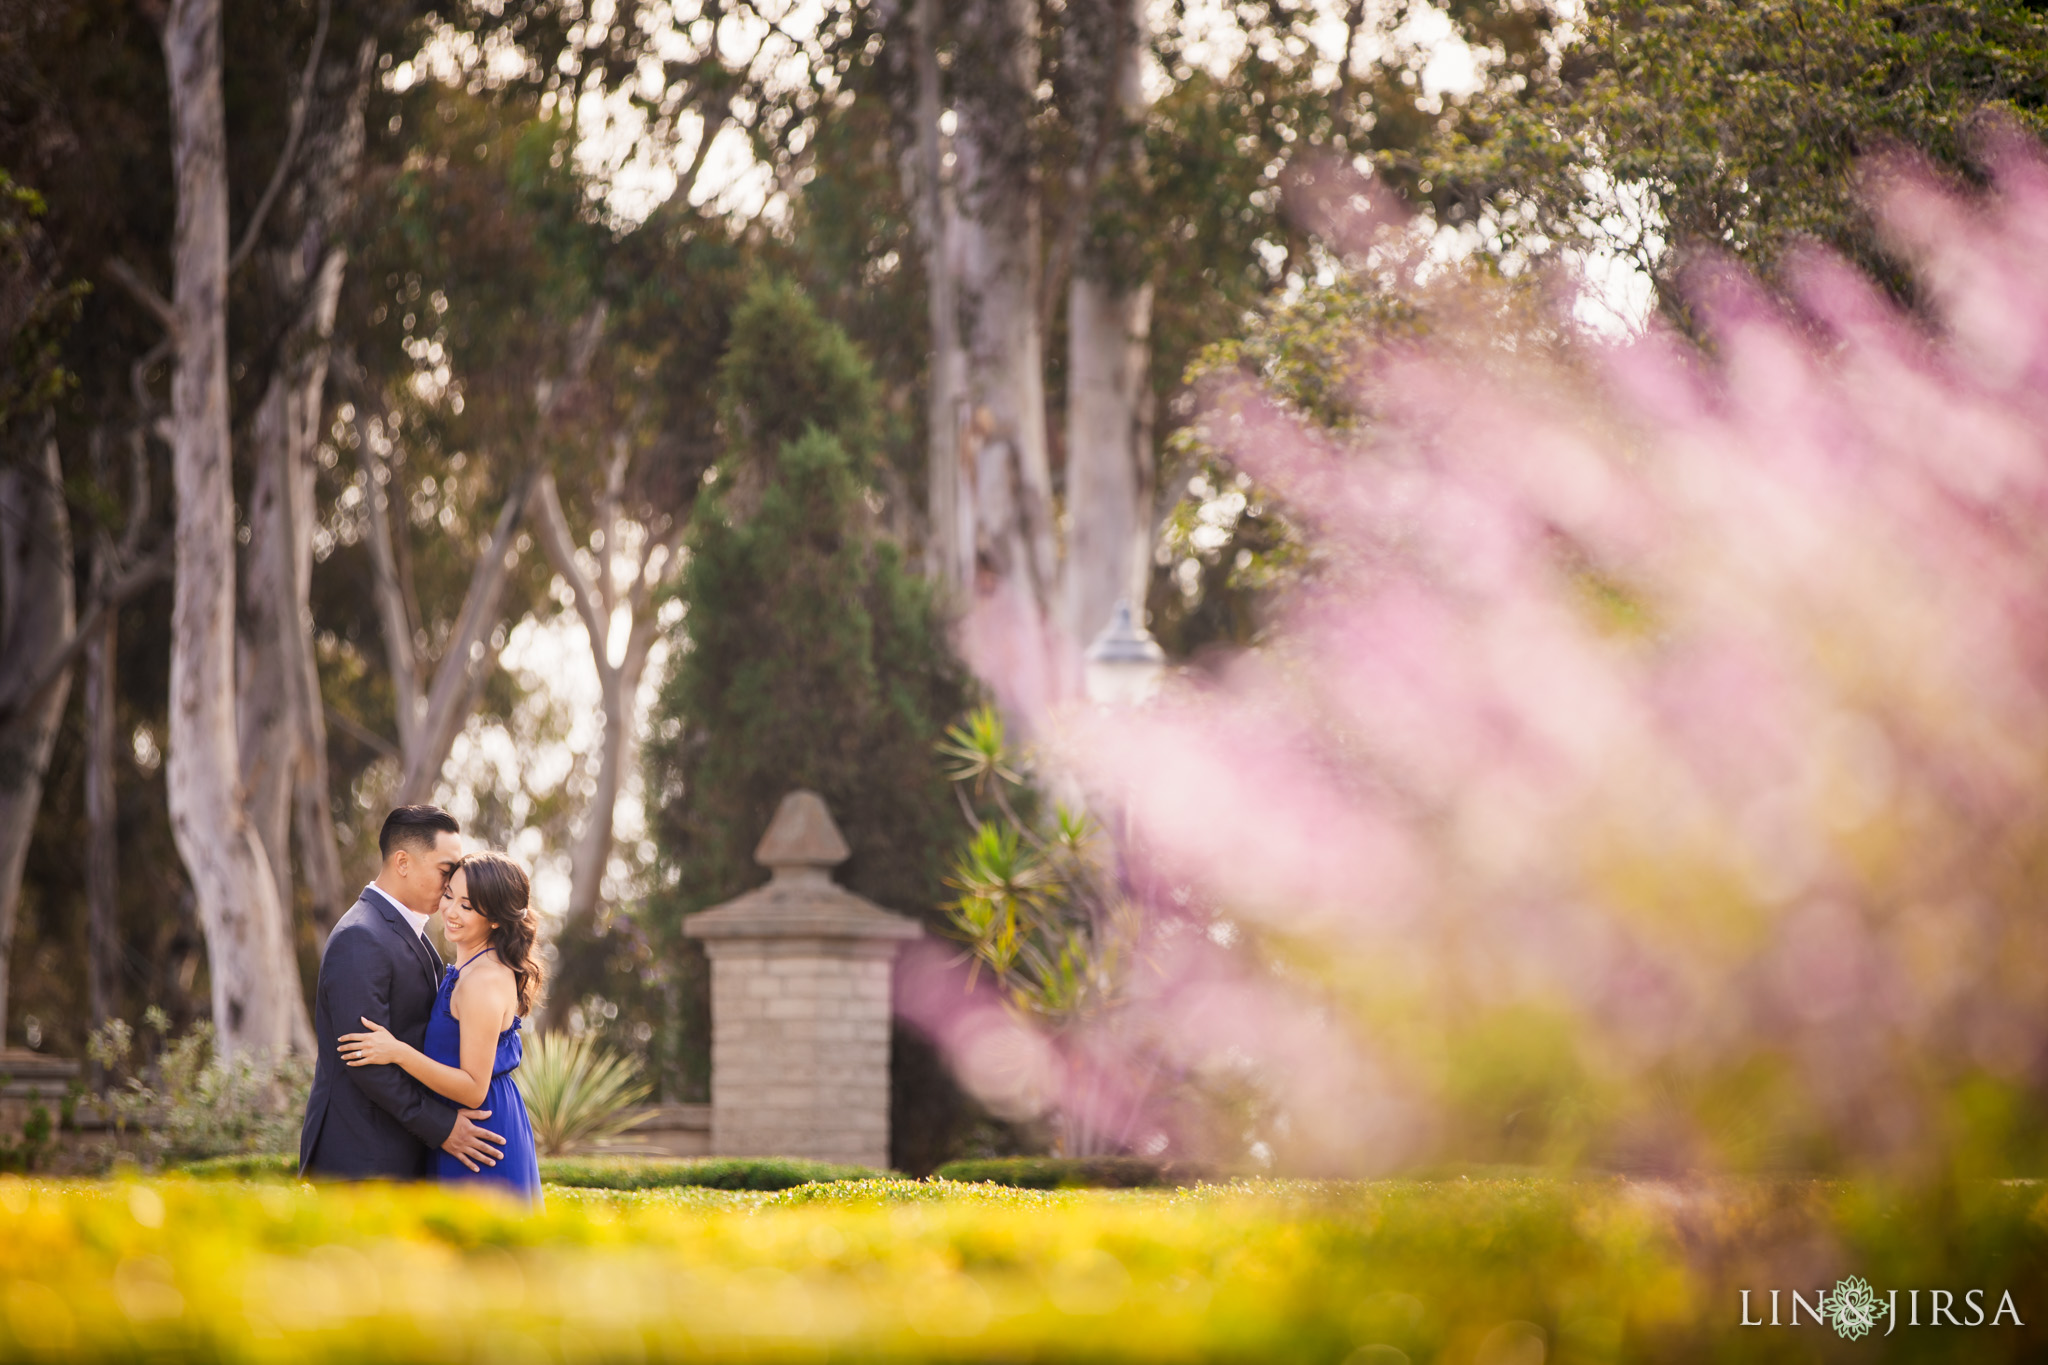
{"points": [[426, 957]]}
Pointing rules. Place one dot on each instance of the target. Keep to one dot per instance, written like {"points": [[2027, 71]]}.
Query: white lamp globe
{"points": [[1124, 664]]}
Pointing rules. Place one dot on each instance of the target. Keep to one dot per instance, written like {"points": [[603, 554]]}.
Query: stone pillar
{"points": [[800, 991]]}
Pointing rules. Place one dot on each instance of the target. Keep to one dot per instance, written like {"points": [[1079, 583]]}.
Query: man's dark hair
{"points": [[414, 827]]}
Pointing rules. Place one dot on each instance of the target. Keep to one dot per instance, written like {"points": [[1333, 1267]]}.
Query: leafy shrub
{"points": [[36, 1142], [576, 1092], [1068, 1172], [190, 1103]]}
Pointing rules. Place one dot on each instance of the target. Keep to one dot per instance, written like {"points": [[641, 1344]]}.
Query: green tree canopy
{"points": [[1740, 125]]}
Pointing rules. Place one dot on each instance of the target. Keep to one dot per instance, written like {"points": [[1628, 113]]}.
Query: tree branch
{"points": [[124, 586], [138, 499], [560, 548], [145, 294], [469, 656], [686, 185], [291, 145], [391, 610], [138, 377], [1347, 73], [363, 735], [614, 494], [666, 550]]}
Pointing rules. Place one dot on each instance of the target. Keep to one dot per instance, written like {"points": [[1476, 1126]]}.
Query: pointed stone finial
{"points": [[802, 841]]}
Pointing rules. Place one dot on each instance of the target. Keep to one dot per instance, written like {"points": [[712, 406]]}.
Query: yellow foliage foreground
{"points": [[1486, 1271]]}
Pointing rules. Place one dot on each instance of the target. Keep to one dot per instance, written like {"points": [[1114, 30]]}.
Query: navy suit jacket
{"points": [[369, 1121]]}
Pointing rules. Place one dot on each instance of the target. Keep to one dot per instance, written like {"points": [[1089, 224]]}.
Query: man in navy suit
{"points": [[376, 1121]]}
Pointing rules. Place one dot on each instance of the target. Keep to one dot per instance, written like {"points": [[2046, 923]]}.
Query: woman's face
{"points": [[465, 925]]}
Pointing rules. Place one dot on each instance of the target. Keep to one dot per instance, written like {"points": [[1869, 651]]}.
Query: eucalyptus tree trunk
{"points": [[114, 575], [992, 259], [102, 813], [1109, 448], [598, 597], [929, 190], [37, 608], [232, 882], [274, 720], [282, 722], [1109, 324]]}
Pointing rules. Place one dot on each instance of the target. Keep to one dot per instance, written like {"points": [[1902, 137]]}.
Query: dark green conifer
{"points": [[808, 655]]}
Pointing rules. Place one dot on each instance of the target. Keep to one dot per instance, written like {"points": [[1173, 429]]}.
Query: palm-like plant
{"points": [[1035, 907], [977, 752], [1004, 887], [1039, 905], [577, 1092]]}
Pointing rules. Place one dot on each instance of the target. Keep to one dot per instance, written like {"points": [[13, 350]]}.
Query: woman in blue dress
{"points": [[472, 1043]]}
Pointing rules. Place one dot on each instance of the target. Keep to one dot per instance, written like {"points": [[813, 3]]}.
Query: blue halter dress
{"points": [[518, 1167]]}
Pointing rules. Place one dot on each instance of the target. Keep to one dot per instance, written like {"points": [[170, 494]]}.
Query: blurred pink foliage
{"points": [[1651, 771]]}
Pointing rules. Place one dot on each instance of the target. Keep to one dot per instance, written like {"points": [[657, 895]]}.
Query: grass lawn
{"points": [[1492, 1272]]}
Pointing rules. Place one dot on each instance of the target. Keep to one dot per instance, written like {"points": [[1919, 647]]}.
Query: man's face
{"points": [[422, 874]]}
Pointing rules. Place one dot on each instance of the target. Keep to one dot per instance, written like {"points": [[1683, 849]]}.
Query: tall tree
{"points": [[296, 239], [992, 263], [480, 321], [1163, 222], [59, 355], [611, 510], [257, 1007], [1110, 401], [36, 606], [965, 100], [102, 819], [99, 724], [91, 122], [36, 623], [616, 584]]}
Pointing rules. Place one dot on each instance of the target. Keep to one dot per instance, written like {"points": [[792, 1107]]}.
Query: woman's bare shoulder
{"points": [[487, 980], [487, 967]]}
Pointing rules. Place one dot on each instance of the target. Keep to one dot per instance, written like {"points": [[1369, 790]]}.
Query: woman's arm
{"points": [[379, 1047], [483, 1004], [488, 999]]}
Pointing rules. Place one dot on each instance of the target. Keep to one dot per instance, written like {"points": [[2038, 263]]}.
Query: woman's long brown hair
{"points": [[498, 891]]}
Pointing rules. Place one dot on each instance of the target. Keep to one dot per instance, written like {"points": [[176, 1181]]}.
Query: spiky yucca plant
{"points": [[577, 1092]]}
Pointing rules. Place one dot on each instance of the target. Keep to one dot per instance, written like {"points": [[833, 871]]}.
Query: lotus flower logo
{"points": [[1853, 1308]]}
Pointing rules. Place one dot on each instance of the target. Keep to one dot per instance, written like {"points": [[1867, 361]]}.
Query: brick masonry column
{"points": [[800, 992]]}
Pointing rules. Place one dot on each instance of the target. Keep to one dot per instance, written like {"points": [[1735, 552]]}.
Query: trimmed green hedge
{"points": [[596, 1173], [1570, 1272], [718, 1173], [240, 1168], [1069, 1172]]}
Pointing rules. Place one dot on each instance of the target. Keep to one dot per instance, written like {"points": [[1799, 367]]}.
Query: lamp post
{"points": [[1124, 664]]}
